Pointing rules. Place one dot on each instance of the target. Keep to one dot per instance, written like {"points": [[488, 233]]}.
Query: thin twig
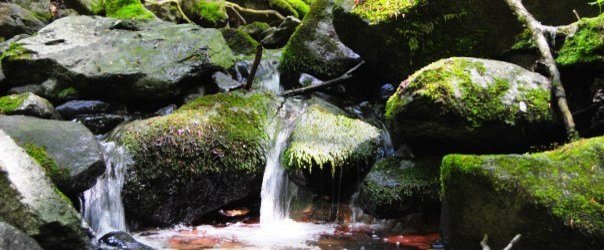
{"points": [[326, 84], [253, 11], [257, 59]]}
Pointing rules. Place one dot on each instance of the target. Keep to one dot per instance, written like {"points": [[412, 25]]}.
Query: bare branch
{"points": [[537, 32], [257, 59], [514, 240], [240, 10], [324, 85], [484, 243]]}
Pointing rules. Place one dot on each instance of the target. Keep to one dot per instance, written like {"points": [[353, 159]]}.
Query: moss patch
{"points": [[212, 11], [239, 41], [396, 187], [50, 166], [123, 9], [586, 46], [567, 182], [297, 8], [381, 10], [213, 134], [322, 138], [9, 103], [15, 51]]}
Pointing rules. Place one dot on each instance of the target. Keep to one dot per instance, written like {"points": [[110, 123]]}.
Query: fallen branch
{"points": [[250, 79], [327, 84], [514, 240], [238, 15], [485, 242], [184, 16], [537, 31], [240, 9]]}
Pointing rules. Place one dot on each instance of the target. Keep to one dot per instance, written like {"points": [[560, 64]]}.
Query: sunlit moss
{"points": [[322, 138], [124, 9], [11, 102], [585, 46]]}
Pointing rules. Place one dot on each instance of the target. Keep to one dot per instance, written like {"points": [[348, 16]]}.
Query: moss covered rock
{"points": [[27, 104], [315, 47], [296, 8], [256, 30], [40, 9], [584, 48], [399, 37], [208, 153], [554, 199], [327, 146], [468, 104], [239, 41], [207, 13], [395, 188], [30, 202], [104, 58], [121, 9], [68, 151]]}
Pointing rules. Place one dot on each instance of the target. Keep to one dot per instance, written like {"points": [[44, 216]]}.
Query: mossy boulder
{"points": [[117, 59], [207, 154], [472, 105], [315, 48], [27, 104], [256, 30], [554, 199], [329, 149], [15, 20], [30, 202], [239, 41], [68, 151], [395, 188], [207, 13], [585, 47], [121, 9]]}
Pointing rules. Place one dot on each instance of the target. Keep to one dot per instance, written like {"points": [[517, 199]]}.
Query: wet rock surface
{"points": [[103, 57]]}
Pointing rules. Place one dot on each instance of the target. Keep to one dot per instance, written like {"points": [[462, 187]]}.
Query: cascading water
{"points": [[276, 193], [102, 207]]}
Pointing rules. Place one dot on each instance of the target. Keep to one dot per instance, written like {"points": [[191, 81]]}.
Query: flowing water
{"points": [[280, 225], [102, 207]]}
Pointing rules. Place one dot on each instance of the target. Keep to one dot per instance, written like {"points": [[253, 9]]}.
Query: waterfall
{"points": [[276, 194], [102, 207]]}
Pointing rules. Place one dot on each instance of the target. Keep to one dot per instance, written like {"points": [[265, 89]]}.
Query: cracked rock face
{"points": [[118, 59]]}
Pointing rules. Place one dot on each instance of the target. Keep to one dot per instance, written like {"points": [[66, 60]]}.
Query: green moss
{"points": [[11, 102], [449, 84], [239, 41], [126, 9], [322, 138], [300, 6], [284, 7], [68, 93], [212, 11], [300, 54], [52, 170], [213, 134], [380, 10], [586, 46], [392, 182], [255, 29], [15, 51], [568, 181]]}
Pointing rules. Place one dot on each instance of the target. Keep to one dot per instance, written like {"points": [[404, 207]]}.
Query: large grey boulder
{"points": [[12, 238], [71, 145], [29, 201], [120, 59], [15, 20]]}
